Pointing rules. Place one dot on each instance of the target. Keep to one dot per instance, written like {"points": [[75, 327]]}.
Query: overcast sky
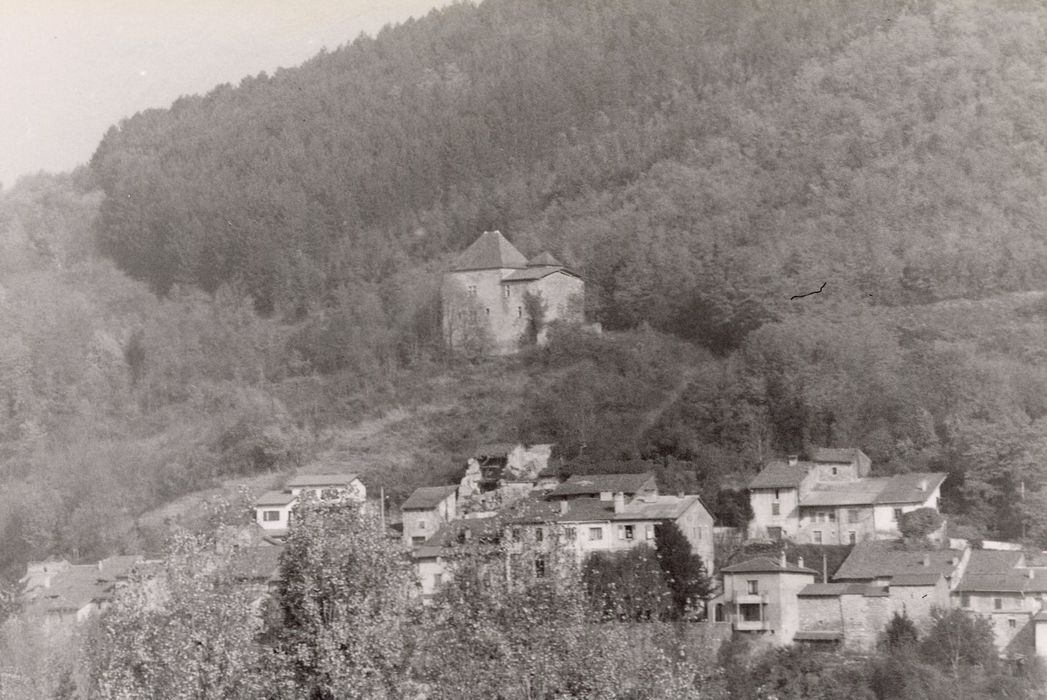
{"points": [[71, 68]]}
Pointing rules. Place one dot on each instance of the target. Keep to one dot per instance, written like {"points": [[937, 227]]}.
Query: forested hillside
{"points": [[234, 283]]}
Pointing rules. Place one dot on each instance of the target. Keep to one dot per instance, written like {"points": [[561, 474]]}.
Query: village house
{"points": [[274, 510], [758, 597], [494, 297], [64, 593], [604, 486], [435, 559], [426, 510], [830, 499]]}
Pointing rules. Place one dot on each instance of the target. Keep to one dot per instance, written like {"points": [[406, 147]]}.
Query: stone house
{"points": [[426, 510], [65, 594], [758, 597], [848, 615], [1001, 586], [826, 500], [486, 292]]}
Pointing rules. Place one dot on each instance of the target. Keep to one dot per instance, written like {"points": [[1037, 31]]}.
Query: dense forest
{"points": [[247, 281]]}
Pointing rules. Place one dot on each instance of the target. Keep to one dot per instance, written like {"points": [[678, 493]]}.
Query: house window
{"points": [[897, 514], [472, 290], [487, 311], [650, 532], [776, 494], [539, 566], [569, 534], [832, 516], [997, 603], [507, 290], [416, 540], [775, 509], [752, 587], [271, 516], [516, 534], [852, 537], [628, 532], [539, 535], [437, 580], [821, 517], [595, 533], [1012, 623], [965, 601], [817, 536], [421, 524], [519, 312], [834, 471], [852, 515]]}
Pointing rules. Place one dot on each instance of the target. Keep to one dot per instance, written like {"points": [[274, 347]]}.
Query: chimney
{"points": [[799, 562], [793, 460], [563, 506], [619, 501], [923, 484], [680, 494], [926, 559], [784, 562], [1031, 573]]}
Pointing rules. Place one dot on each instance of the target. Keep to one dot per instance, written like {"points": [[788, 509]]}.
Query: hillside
{"points": [[247, 281]]}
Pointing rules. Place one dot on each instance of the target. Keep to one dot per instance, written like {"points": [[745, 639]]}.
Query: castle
{"points": [[495, 300]]}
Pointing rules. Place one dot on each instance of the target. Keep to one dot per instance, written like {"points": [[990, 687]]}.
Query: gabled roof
{"points": [[845, 493], [593, 484], [428, 497], [275, 498], [490, 251], [594, 510], [1003, 582], [537, 273], [871, 560], [832, 590], [992, 561], [916, 579], [779, 474], [836, 455], [905, 488], [314, 480], [544, 258], [766, 565]]}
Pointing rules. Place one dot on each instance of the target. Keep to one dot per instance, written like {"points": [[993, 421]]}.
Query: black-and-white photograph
{"points": [[523, 349]]}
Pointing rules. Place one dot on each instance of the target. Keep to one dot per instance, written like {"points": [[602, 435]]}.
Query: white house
{"points": [[273, 511], [328, 486], [426, 510]]}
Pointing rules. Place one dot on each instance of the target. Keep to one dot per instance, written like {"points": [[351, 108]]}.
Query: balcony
{"points": [[749, 599]]}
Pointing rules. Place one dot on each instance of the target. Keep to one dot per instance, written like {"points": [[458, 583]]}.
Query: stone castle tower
{"points": [[495, 300]]}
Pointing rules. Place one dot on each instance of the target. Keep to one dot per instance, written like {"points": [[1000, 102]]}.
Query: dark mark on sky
{"points": [[817, 291]]}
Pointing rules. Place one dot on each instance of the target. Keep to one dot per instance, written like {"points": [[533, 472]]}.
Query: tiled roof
{"points": [[490, 251], [471, 529], [905, 488], [845, 493], [992, 561], [583, 510], [275, 498], [312, 480], [835, 455], [767, 565], [781, 474], [869, 560], [817, 636], [71, 589], [428, 497], [1004, 582], [544, 258], [1040, 616], [591, 484], [536, 273], [820, 590], [916, 579]]}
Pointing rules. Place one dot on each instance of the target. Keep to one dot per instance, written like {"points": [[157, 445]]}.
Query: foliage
{"points": [[920, 523], [627, 585], [685, 573], [900, 635], [958, 639]]}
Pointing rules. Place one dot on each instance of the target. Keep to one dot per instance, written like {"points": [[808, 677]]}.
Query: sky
{"points": [[69, 69]]}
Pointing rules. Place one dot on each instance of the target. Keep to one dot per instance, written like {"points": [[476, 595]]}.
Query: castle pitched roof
{"points": [[544, 258], [490, 251]]}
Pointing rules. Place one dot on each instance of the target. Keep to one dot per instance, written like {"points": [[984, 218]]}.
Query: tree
{"points": [[626, 585], [958, 639], [918, 524], [900, 635], [345, 598], [684, 571]]}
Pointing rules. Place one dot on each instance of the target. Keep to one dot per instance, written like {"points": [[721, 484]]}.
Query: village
{"points": [[527, 500]]}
